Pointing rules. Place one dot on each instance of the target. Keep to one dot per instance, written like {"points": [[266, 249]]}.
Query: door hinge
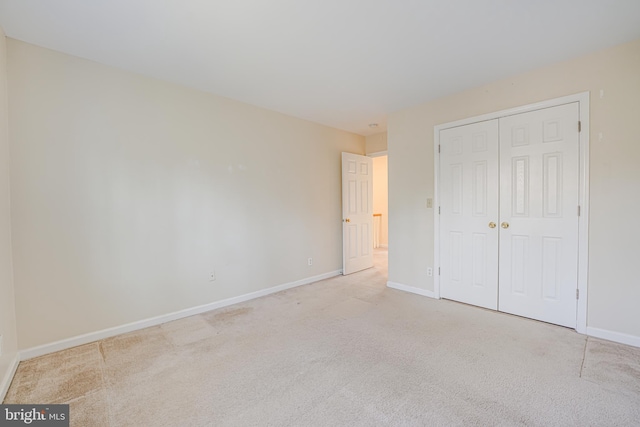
{"points": [[439, 210], [438, 271], [438, 148], [578, 210], [579, 126], [577, 293]]}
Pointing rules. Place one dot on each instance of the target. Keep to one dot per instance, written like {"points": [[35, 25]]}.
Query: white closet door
{"points": [[538, 214], [469, 208]]}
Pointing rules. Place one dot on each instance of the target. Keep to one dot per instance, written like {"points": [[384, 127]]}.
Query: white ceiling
{"points": [[342, 63]]}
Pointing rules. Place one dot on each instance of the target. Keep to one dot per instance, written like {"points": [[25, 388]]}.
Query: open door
{"points": [[357, 213]]}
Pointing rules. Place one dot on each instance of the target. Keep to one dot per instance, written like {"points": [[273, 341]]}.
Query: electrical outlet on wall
{"points": [[429, 271], [310, 261], [212, 276]]}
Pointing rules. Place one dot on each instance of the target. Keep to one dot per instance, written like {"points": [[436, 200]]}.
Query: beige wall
{"points": [[7, 312], [127, 191], [376, 143], [380, 196], [615, 175]]}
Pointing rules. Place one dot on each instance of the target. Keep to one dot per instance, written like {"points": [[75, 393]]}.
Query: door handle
{"points": [[504, 225], [492, 224], [347, 220]]}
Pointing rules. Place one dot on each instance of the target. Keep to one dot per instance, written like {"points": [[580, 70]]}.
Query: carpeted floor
{"points": [[342, 352]]}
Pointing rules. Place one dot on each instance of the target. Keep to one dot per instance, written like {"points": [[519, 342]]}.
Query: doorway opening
{"points": [[380, 212]]}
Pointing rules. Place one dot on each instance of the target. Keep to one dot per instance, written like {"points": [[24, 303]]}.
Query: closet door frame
{"points": [[583, 197]]}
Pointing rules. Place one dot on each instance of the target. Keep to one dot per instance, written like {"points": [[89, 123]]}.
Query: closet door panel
{"points": [[469, 204], [538, 214]]}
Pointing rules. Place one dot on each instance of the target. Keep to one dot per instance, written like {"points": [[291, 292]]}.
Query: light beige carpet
{"points": [[342, 352]]}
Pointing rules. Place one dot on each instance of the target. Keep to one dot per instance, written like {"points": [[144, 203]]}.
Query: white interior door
{"points": [[539, 214], [357, 213], [469, 214]]}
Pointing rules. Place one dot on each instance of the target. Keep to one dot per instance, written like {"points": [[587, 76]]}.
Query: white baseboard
{"points": [[411, 289], [614, 336], [41, 350], [8, 377]]}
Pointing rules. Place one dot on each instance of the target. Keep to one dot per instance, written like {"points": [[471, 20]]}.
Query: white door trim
{"points": [[583, 221], [378, 154]]}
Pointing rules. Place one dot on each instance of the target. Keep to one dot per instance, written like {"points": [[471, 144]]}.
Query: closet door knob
{"points": [[492, 225], [504, 225]]}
